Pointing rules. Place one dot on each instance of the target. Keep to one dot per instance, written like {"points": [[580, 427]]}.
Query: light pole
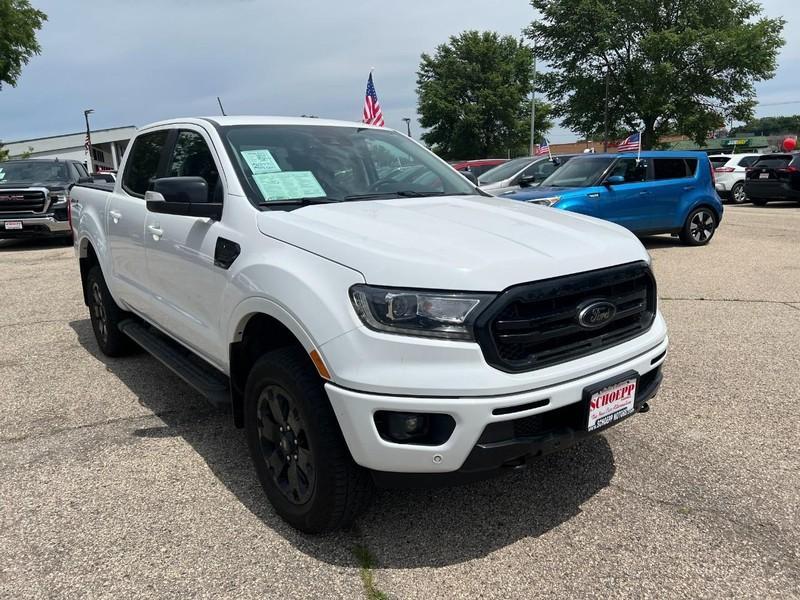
{"points": [[407, 121], [88, 145]]}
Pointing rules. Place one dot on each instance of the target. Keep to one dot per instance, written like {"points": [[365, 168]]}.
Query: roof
{"points": [[721, 144], [229, 121], [646, 154], [70, 140]]}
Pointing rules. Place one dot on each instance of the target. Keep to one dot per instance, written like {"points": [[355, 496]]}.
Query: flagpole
{"points": [[639, 152], [533, 101], [90, 162]]}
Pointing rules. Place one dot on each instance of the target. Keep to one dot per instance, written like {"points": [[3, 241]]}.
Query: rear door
{"points": [[125, 219], [674, 185], [186, 285]]}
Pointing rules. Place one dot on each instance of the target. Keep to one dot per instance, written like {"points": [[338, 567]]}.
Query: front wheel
{"points": [[298, 451], [738, 195], [699, 227]]}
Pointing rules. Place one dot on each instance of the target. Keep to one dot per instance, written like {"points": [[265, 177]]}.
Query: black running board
{"points": [[195, 371]]}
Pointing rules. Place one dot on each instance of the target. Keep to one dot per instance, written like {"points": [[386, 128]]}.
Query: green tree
{"points": [[474, 97], [19, 22], [3, 152], [684, 66], [770, 125]]}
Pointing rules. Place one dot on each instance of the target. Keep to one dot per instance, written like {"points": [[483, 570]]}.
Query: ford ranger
{"points": [[365, 312]]}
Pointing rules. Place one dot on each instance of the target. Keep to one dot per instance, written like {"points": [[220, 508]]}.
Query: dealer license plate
{"points": [[13, 224], [764, 176], [611, 404]]}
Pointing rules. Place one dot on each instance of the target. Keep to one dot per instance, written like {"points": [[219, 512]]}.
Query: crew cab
{"points": [[650, 193], [33, 196], [364, 328]]}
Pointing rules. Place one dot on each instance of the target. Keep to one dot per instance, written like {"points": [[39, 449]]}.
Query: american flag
{"points": [[372, 108], [630, 143], [543, 148]]}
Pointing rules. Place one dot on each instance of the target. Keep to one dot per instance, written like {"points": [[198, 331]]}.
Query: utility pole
{"points": [[605, 117], [90, 162], [407, 121], [533, 102]]}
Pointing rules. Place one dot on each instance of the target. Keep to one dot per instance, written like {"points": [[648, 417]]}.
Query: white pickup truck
{"points": [[365, 312]]}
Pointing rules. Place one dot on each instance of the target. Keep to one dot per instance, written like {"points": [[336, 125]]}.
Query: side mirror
{"points": [[614, 180], [470, 175], [527, 181], [182, 196]]}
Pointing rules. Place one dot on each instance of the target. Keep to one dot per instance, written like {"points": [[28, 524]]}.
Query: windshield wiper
{"points": [[399, 194], [298, 201]]}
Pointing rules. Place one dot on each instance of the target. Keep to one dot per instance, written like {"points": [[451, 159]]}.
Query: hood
{"points": [[50, 185], [469, 243], [534, 193]]}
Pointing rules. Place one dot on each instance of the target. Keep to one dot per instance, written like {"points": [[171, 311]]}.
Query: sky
{"points": [[143, 61]]}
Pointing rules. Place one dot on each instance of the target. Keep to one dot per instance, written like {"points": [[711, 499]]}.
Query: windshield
{"points": [[32, 171], [579, 172], [506, 170], [286, 163]]}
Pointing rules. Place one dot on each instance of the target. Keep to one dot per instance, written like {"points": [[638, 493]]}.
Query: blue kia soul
{"points": [[659, 192]]}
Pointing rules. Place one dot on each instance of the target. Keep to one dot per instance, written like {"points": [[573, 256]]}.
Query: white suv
{"points": [[366, 313], [729, 173]]}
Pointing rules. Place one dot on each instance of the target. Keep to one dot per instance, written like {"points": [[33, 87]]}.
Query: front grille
{"points": [[22, 201], [536, 325]]}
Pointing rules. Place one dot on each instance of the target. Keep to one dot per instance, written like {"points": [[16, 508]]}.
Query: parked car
{"points": [[33, 196], [478, 167], [520, 172], [730, 171], [660, 192], [774, 177], [360, 328]]}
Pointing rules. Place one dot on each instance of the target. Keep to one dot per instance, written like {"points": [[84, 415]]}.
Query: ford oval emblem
{"points": [[596, 314]]}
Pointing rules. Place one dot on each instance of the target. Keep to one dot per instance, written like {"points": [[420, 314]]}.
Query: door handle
{"points": [[644, 193], [688, 188], [115, 215], [593, 195], [155, 232]]}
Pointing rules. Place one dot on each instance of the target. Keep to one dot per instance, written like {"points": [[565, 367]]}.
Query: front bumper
{"points": [[467, 449], [41, 226]]}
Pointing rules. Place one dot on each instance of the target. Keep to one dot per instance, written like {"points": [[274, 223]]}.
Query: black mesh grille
{"points": [[536, 325], [21, 201]]}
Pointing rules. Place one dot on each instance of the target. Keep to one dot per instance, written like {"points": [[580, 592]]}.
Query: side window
{"points": [[669, 168], [691, 165], [82, 172], [142, 165], [540, 169], [748, 161], [632, 170], [192, 158]]}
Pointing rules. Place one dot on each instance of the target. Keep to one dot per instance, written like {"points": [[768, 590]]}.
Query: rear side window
{"points": [[691, 166], [82, 172], [748, 161], [669, 168], [719, 161], [774, 161], [142, 165]]}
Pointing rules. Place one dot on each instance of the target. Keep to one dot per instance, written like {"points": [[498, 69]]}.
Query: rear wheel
{"points": [[106, 316], [699, 227], [738, 195], [298, 451]]}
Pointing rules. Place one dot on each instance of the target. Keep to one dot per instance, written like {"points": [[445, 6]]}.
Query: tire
{"points": [[297, 448], [759, 202], [106, 316], [700, 226], [738, 195]]}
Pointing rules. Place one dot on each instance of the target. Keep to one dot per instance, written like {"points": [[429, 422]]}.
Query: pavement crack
{"points": [[95, 424], [25, 324]]}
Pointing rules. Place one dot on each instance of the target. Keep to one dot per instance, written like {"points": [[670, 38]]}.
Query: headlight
{"points": [[447, 315], [57, 200], [549, 201]]}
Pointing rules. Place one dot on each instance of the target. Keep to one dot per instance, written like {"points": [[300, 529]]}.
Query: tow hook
{"points": [[645, 407]]}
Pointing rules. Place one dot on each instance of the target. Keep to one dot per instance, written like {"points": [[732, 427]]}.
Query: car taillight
{"points": [[790, 169], [713, 177], [724, 170]]}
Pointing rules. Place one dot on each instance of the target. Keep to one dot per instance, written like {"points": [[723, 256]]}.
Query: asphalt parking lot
{"points": [[117, 480]]}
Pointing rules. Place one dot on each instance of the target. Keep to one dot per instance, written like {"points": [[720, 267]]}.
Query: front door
{"points": [[187, 286], [626, 203], [126, 213]]}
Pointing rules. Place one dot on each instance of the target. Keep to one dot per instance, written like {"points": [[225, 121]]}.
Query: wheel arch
{"points": [[259, 326], [87, 258]]}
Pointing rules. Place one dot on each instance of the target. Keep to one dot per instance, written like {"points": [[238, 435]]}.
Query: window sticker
{"points": [[289, 185], [260, 161]]}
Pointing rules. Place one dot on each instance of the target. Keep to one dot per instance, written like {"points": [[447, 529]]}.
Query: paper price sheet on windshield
{"points": [[289, 185], [260, 161]]}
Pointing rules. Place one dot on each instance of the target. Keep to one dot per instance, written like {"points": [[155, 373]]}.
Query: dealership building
{"points": [[108, 146]]}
